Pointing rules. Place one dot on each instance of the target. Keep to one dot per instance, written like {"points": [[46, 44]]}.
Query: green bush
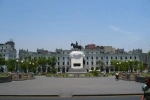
{"points": [[95, 73], [53, 70]]}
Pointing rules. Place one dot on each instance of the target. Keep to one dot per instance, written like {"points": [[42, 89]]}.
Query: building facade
{"points": [[93, 54], [7, 50]]}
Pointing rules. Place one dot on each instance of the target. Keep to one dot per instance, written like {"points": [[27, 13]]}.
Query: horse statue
{"points": [[76, 46]]}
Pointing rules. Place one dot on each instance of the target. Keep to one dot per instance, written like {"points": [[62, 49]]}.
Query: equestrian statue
{"points": [[76, 46]]}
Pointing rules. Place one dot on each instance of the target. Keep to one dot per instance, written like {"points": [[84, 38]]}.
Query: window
{"points": [[63, 58], [2, 47], [96, 52], [96, 57], [67, 63], [130, 57], [87, 52], [6, 47], [92, 63], [92, 52], [58, 63], [87, 63], [68, 58], [121, 58], [107, 63], [91, 57], [96, 63], [63, 52], [48, 57], [39, 57], [63, 63], [134, 57], [58, 58], [87, 58], [101, 57], [4, 50], [76, 64], [106, 57], [126, 57], [4, 55], [111, 57], [116, 57]]}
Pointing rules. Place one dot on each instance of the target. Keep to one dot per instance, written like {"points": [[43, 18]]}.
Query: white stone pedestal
{"points": [[77, 59]]}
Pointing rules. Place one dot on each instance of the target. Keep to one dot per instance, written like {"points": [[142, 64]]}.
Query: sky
{"points": [[51, 24]]}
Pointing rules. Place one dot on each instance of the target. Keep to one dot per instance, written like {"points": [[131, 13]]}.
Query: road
{"points": [[73, 98]]}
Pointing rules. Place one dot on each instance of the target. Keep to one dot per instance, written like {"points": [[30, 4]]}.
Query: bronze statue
{"points": [[76, 46]]}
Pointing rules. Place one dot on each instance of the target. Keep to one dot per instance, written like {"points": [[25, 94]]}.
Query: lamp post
{"points": [[29, 69], [17, 65], [117, 67], [127, 65], [131, 67], [21, 63]]}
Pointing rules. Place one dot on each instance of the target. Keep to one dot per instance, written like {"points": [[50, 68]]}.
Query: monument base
{"points": [[77, 71]]}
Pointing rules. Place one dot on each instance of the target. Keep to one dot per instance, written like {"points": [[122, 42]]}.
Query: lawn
{"points": [[146, 74], [3, 75]]}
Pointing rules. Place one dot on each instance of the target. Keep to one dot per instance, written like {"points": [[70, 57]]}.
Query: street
{"points": [[74, 98]]}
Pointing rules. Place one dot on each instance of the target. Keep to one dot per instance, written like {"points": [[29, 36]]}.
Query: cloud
{"points": [[119, 30], [130, 36]]}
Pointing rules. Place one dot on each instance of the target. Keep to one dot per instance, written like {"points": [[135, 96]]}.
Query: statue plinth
{"points": [[77, 59]]}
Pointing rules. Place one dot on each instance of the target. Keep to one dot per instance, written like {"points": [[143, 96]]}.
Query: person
{"points": [[117, 76], [145, 87], [104, 74]]}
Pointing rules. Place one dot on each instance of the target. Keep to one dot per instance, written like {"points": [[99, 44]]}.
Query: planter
{"points": [[21, 76], [132, 76], [147, 95], [5, 79], [140, 79]]}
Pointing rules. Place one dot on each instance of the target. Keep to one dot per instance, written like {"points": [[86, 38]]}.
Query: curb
{"points": [[89, 95], [29, 95]]}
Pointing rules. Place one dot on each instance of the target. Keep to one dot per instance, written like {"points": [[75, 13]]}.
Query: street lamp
{"points": [[117, 66], [17, 65]]}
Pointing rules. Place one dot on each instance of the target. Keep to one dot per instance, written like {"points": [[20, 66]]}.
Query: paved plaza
{"points": [[70, 86]]}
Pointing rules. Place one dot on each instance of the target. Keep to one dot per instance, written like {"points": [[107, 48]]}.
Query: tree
{"points": [[97, 68], [11, 64], [101, 65], [2, 62], [92, 68], [53, 61], [149, 53], [42, 61], [23, 66], [140, 66]]}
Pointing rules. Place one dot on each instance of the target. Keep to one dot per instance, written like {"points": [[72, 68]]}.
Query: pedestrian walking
{"points": [[145, 87]]}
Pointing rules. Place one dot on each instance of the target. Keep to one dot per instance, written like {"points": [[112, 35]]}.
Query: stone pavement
{"points": [[66, 86]]}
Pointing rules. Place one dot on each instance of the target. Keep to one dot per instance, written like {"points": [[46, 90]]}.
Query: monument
{"points": [[77, 59]]}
